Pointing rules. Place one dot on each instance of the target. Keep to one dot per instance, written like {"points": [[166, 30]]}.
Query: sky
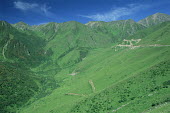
{"points": [[35, 12]]}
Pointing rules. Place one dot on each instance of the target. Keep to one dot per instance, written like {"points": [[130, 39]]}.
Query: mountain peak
{"points": [[4, 23], [154, 19], [159, 14], [21, 25]]}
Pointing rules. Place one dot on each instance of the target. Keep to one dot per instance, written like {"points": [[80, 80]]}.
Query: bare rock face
{"points": [[154, 19]]}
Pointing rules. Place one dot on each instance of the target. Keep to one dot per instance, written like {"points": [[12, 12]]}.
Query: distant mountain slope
{"points": [[158, 34], [64, 38], [72, 31], [154, 19], [16, 45], [76, 38], [22, 26], [118, 30], [46, 31]]}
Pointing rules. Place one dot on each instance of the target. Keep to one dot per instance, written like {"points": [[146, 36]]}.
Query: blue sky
{"points": [[36, 12]]}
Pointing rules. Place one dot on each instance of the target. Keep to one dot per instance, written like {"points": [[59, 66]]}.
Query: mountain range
{"points": [[98, 67]]}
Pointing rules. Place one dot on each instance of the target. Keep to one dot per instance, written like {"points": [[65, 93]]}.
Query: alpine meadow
{"points": [[120, 66]]}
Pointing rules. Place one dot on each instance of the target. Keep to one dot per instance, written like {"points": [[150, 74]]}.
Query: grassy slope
{"points": [[116, 67], [158, 34], [117, 76], [72, 38], [144, 90], [69, 42]]}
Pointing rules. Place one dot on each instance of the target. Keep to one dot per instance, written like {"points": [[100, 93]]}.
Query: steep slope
{"points": [[18, 53], [17, 85], [71, 38], [154, 19], [68, 39], [16, 45], [72, 29], [24, 28], [127, 80], [158, 34], [107, 69], [118, 30], [47, 31], [138, 93]]}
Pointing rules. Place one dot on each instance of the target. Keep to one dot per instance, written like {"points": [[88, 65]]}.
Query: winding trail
{"points": [[120, 107], [5, 48]]}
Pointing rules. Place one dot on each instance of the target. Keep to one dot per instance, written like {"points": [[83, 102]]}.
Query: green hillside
{"points": [[115, 69], [18, 46], [117, 77], [117, 29], [18, 53], [99, 67]]}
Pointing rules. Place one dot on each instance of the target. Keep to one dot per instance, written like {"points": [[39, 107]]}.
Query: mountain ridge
{"points": [[140, 21], [154, 19]]}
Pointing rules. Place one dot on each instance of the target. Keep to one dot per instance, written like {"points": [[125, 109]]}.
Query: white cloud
{"points": [[34, 7], [116, 13], [25, 6]]}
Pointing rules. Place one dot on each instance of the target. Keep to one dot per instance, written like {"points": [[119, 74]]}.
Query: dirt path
{"points": [[133, 47], [73, 73], [156, 45], [92, 85], [120, 107], [74, 94], [5, 48]]}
